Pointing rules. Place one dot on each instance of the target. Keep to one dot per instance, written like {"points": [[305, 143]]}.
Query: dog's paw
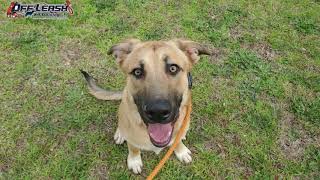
{"points": [[135, 164], [118, 138], [184, 154]]}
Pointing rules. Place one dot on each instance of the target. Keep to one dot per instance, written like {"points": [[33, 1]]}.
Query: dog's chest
{"points": [[151, 147], [154, 149]]}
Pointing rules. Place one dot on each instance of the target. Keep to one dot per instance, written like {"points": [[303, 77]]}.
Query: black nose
{"points": [[158, 110]]}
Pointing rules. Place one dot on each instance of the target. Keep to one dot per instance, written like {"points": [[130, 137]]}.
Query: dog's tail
{"points": [[98, 92]]}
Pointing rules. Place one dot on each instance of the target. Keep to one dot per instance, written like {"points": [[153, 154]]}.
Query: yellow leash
{"points": [[175, 143]]}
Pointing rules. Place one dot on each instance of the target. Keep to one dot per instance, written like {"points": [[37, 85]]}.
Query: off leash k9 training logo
{"points": [[40, 11]]}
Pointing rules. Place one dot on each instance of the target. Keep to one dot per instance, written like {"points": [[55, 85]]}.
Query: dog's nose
{"points": [[158, 111]]}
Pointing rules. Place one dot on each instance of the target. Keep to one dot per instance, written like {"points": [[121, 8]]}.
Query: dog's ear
{"points": [[120, 51], [192, 49]]}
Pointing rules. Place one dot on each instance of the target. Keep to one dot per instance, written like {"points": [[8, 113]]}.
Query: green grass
{"points": [[256, 103]]}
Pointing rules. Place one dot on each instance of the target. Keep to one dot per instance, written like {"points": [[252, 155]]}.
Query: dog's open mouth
{"points": [[160, 134]]}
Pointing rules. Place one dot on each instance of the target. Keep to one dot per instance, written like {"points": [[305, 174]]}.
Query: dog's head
{"points": [[157, 80]]}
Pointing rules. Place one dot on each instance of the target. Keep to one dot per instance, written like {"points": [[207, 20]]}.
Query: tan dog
{"points": [[154, 100]]}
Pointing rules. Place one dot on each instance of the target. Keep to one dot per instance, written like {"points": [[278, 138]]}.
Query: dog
{"points": [[155, 98]]}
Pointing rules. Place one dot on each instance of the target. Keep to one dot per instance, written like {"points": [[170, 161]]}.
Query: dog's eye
{"points": [[173, 69], [137, 72]]}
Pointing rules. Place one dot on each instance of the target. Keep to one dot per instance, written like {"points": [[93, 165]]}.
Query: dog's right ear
{"points": [[192, 49], [120, 51]]}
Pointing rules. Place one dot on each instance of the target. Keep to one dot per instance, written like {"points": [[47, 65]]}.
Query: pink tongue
{"points": [[160, 133]]}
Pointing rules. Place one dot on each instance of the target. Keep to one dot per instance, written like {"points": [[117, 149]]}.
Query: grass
{"points": [[256, 102]]}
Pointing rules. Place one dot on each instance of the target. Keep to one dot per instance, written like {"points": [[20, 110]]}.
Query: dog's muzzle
{"points": [[157, 111], [159, 115]]}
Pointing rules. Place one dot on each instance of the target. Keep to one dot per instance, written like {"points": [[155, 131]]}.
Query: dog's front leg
{"points": [[134, 159], [118, 137], [183, 153]]}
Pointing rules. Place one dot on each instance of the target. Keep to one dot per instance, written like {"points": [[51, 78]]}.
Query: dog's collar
{"points": [[189, 80]]}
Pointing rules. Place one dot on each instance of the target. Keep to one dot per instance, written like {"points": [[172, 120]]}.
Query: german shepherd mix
{"points": [[156, 95]]}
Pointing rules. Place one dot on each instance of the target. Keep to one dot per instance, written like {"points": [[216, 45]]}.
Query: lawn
{"points": [[256, 101]]}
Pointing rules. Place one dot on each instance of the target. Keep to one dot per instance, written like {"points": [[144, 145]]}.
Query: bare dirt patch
{"points": [[236, 32], [100, 172], [33, 118], [61, 139], [242, 167], [216, 145], [218, 56], [263, 50], [4, 168], [71, 51], [293, 147]]}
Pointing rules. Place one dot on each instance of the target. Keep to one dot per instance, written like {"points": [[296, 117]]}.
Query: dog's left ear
{"points": [[120, 51], [193, 49]]}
